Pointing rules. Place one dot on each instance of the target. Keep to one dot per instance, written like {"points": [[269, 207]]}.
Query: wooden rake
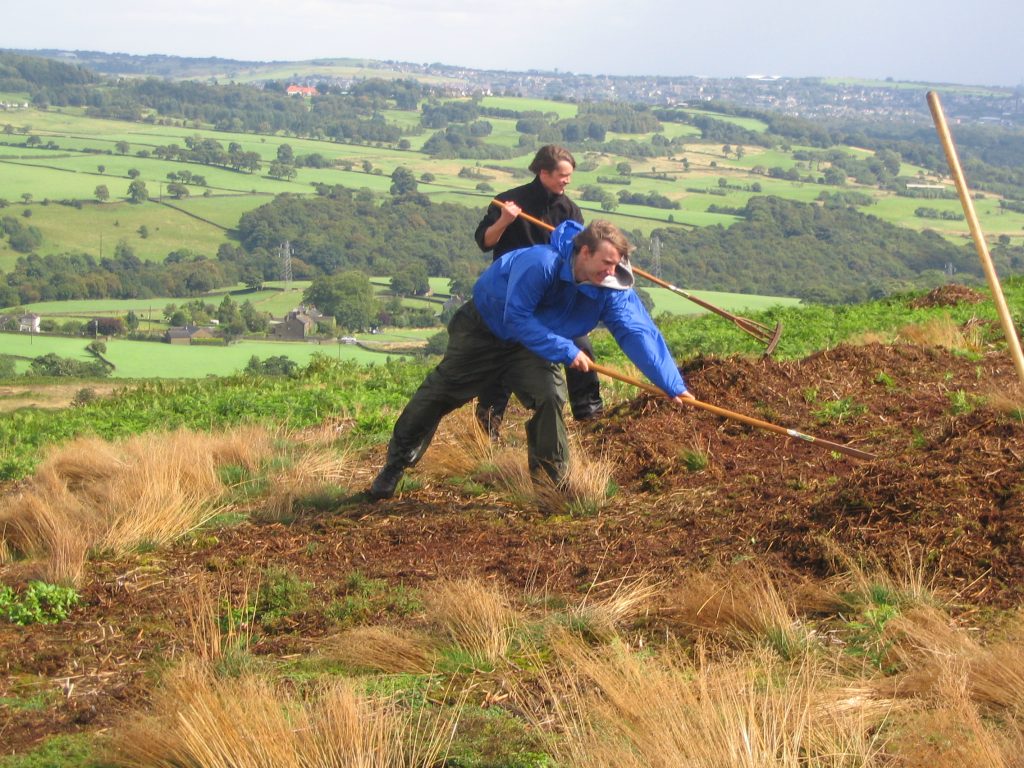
{"points": [[766, 425], [764, 334]]}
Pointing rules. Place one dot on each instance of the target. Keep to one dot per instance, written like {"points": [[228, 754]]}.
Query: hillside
{"points": [[158, 170], [693, 495]]}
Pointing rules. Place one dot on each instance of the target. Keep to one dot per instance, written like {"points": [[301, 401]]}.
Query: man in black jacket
{"points": [[503, 230]]}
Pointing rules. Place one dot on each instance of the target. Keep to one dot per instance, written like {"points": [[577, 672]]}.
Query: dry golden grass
{"points": [[947, 729], [910, 578], [200, 720], [91, 494], [932, 648], [742, 606], [476, 615], [383, 649], [313, 471], [942, 331], [870, 337], [463, 449], [605, 613], [1009, 401], [610, 707]]}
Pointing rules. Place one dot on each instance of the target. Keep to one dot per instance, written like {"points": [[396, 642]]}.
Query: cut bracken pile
{"points": [[943, 492]]}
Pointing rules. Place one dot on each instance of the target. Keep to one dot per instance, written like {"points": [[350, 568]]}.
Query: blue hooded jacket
{"points": [[530, 296]]}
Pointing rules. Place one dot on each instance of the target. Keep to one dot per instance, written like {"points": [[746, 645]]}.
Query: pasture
{"points": [[159, 360]]}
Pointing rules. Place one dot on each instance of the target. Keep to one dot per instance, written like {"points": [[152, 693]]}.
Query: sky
{"points": [[936, 41]]}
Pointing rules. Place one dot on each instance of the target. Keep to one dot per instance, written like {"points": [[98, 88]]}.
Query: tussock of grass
{"points": [[616, 708], [742, 606], [934, 650], [604, 614], [95, 495], [943, 331], [909, 581], [383, 649], [198, 719], [477, 616], [1010, 401], [946, 728], [313, 472], [463, 449]]}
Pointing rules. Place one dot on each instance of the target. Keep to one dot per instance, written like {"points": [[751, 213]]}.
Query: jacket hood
{"points": [[563, 238]]}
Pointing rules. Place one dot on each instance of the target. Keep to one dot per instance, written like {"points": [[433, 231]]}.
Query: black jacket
{"points": [[536, 201]]}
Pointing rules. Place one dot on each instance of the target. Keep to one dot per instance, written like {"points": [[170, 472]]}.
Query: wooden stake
{"points": [[1012, 341]]}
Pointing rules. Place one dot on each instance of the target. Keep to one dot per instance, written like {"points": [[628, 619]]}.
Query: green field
{"points": [[204, 220], [70, 173], [562, 109], [154, 359]]}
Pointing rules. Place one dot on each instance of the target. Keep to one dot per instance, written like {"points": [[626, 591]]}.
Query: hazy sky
{"points": [[930, 40]]}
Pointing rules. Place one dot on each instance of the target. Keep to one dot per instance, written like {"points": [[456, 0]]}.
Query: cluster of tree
{"points": [[351, 116], [845, 197], [935, 213], [465, 141], [54, 365], [350, 298], [929, 192], [650, 199], [715, 130], [881, 169], [206, 151], [437, 115], [592, 193], [814, 252], [275, 365], [124, 276], [340, 230], [47, 81], [22, 237], [621, 117], [233, 319]]}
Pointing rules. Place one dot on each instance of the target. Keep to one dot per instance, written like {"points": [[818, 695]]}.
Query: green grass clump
{"points": [[838, 411], [38, 603], [70, 750], [368, 598]]}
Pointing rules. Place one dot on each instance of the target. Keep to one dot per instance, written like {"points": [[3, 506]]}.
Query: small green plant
{"points": [[839, 411], [866, 639], [368, 597], [884, 379], [282, 593], [39, 603], [810, 395], [695, 461], [961, 403]]}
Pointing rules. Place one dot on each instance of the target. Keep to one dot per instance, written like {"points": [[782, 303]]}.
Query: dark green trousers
{"points": [[475, 359]]}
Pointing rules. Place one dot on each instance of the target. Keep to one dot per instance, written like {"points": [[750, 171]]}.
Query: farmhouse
{"points": [[300, 323], [29, 323], [185, 334], [301, 90]]}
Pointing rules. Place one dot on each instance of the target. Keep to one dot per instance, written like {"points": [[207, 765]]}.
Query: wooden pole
{"points": [[792, 433], [1012, 341]]}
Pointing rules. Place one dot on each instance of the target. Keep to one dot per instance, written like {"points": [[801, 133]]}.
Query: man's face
{"points": [[593, 266], [555, 181]]}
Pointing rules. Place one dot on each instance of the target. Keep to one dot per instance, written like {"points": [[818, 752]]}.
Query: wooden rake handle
{"points": [[762, 333], [792, 433]]}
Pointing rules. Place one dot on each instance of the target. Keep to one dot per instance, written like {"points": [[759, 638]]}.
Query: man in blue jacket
{"points": [[526, 309]]}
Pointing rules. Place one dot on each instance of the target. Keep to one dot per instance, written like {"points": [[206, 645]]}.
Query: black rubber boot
{"points": [[386, 482]]}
